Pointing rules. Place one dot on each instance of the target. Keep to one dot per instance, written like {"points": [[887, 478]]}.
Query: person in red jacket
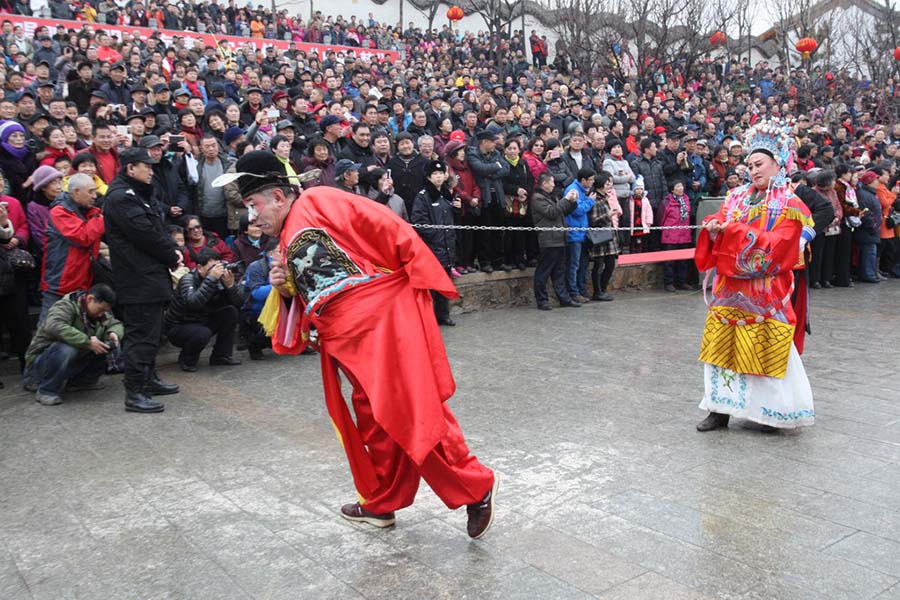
{"points": [[198, 239], [361, 276], [470, 194], [74, 229]]}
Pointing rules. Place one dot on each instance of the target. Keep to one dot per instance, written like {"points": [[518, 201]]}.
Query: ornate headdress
{"points": [[772, 136]]}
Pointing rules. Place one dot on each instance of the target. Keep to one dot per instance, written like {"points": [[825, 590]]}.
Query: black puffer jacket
{"points": [[140, 250], [197, 296], [435, 207]]}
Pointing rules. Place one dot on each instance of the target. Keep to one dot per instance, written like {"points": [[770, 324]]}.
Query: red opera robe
{"points": [[363, 278]]}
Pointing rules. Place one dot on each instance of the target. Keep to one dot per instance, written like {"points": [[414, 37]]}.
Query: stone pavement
{"points": [[587, 415]]}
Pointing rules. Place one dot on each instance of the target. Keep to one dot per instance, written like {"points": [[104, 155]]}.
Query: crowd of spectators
{"points": [[109, 144]]}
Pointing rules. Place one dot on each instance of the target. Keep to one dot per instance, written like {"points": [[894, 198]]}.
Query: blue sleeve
{"points": [[261, 293]]}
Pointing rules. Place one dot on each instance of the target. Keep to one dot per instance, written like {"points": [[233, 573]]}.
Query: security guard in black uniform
{"points": [[141, 254]]}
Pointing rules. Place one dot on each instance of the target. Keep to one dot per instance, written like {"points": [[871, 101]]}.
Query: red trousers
{"points": [[455, 475]]}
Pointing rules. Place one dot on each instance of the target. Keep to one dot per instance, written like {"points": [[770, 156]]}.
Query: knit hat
{"points": [[43, 176], [435, 166], [866, 178], [638, 183], [231, 134]]}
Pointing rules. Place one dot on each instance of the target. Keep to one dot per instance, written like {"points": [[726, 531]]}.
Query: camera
{"points": [[235, 267], [115, 362]]}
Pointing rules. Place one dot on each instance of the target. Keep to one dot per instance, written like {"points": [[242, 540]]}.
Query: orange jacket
{"points": [[886, 197]]}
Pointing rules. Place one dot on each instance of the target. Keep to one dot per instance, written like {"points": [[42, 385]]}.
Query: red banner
{"points": [[191, 39]]}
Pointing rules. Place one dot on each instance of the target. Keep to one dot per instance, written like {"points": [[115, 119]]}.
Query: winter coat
{"points": [[393, 202], [870, 230], [654, 179], [669, 214], [549, 212], [38, 215], [210, 240], [519, 176], [16, 171], [563, 177], [466, 188], [535, 164], [196, 297], [326, 176], [67, 322], [247, 252], [646, 215], [621, 183], [256, 287], [586, 162], [73, 239], [408, 175], [140, 250], [435, 207], [489, 173], [578, 217], [170, 187]]}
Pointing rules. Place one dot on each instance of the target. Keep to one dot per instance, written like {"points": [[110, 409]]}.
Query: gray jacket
{"points": [[489, 171], [547, 211]]}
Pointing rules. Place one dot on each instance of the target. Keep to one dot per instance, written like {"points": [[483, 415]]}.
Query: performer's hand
{"points": [[278, 277]]}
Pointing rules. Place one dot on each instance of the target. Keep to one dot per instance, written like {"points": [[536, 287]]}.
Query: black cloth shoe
{"points": [[827, 285], [141, 403], [481, 514], [355, 512], [506, 268], [223, 361], [602, 297], [544, 307], [157, 387], [713, 421], [570, 304], [187, 368], [448, 322], [487, 269], [816, 285], [521, 266], [257, 355]]}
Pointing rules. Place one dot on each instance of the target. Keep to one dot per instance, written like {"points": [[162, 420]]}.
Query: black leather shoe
{"points": [[187, 368], [506, 268], [141, 403], [448, 322], [157, 387], [487, 269], [223, 361], [816, 285], [544, 307], [713, 421], [570, 304], [827, 285]]}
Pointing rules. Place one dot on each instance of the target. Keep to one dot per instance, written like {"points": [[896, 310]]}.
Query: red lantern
{"points": [[455, 13], [897, 53], [807, 46], [718, 39]]}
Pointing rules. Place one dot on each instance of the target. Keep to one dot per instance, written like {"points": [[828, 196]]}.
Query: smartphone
{"points": [[273, 113], [176, 139]]}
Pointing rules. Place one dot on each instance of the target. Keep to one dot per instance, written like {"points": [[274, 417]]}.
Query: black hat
{"points": [[136, 155], [253, 89], [133, 116], [217, 89], [435, 97], [25, 92], [433, 166], [269, 170], [117, 65], [486, 135], [150, 141], [140, 88], [383, 108], [284, 124], [46, 84], [827, 149], [160, 88], [99, 94]]}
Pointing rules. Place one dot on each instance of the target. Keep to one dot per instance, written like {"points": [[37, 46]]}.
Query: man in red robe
{"points": [[361, 276]]}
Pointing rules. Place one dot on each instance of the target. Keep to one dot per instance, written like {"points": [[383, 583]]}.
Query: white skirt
{"points": [[784, 403]]}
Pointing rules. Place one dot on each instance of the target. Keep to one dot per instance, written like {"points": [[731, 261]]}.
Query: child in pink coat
{"points": [[675, 210]]}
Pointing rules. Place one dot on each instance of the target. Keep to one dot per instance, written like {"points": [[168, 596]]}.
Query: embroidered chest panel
{"points": [[317, 264]]}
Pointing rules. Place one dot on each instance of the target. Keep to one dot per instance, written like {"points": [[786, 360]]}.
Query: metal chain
{"points": [[513, 228]]}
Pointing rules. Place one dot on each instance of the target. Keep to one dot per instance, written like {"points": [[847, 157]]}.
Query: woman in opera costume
{"points": [[752, 367]]}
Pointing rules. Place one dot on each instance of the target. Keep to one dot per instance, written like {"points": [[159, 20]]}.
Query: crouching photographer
{"points": [[69, 351], [205, 304]]}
